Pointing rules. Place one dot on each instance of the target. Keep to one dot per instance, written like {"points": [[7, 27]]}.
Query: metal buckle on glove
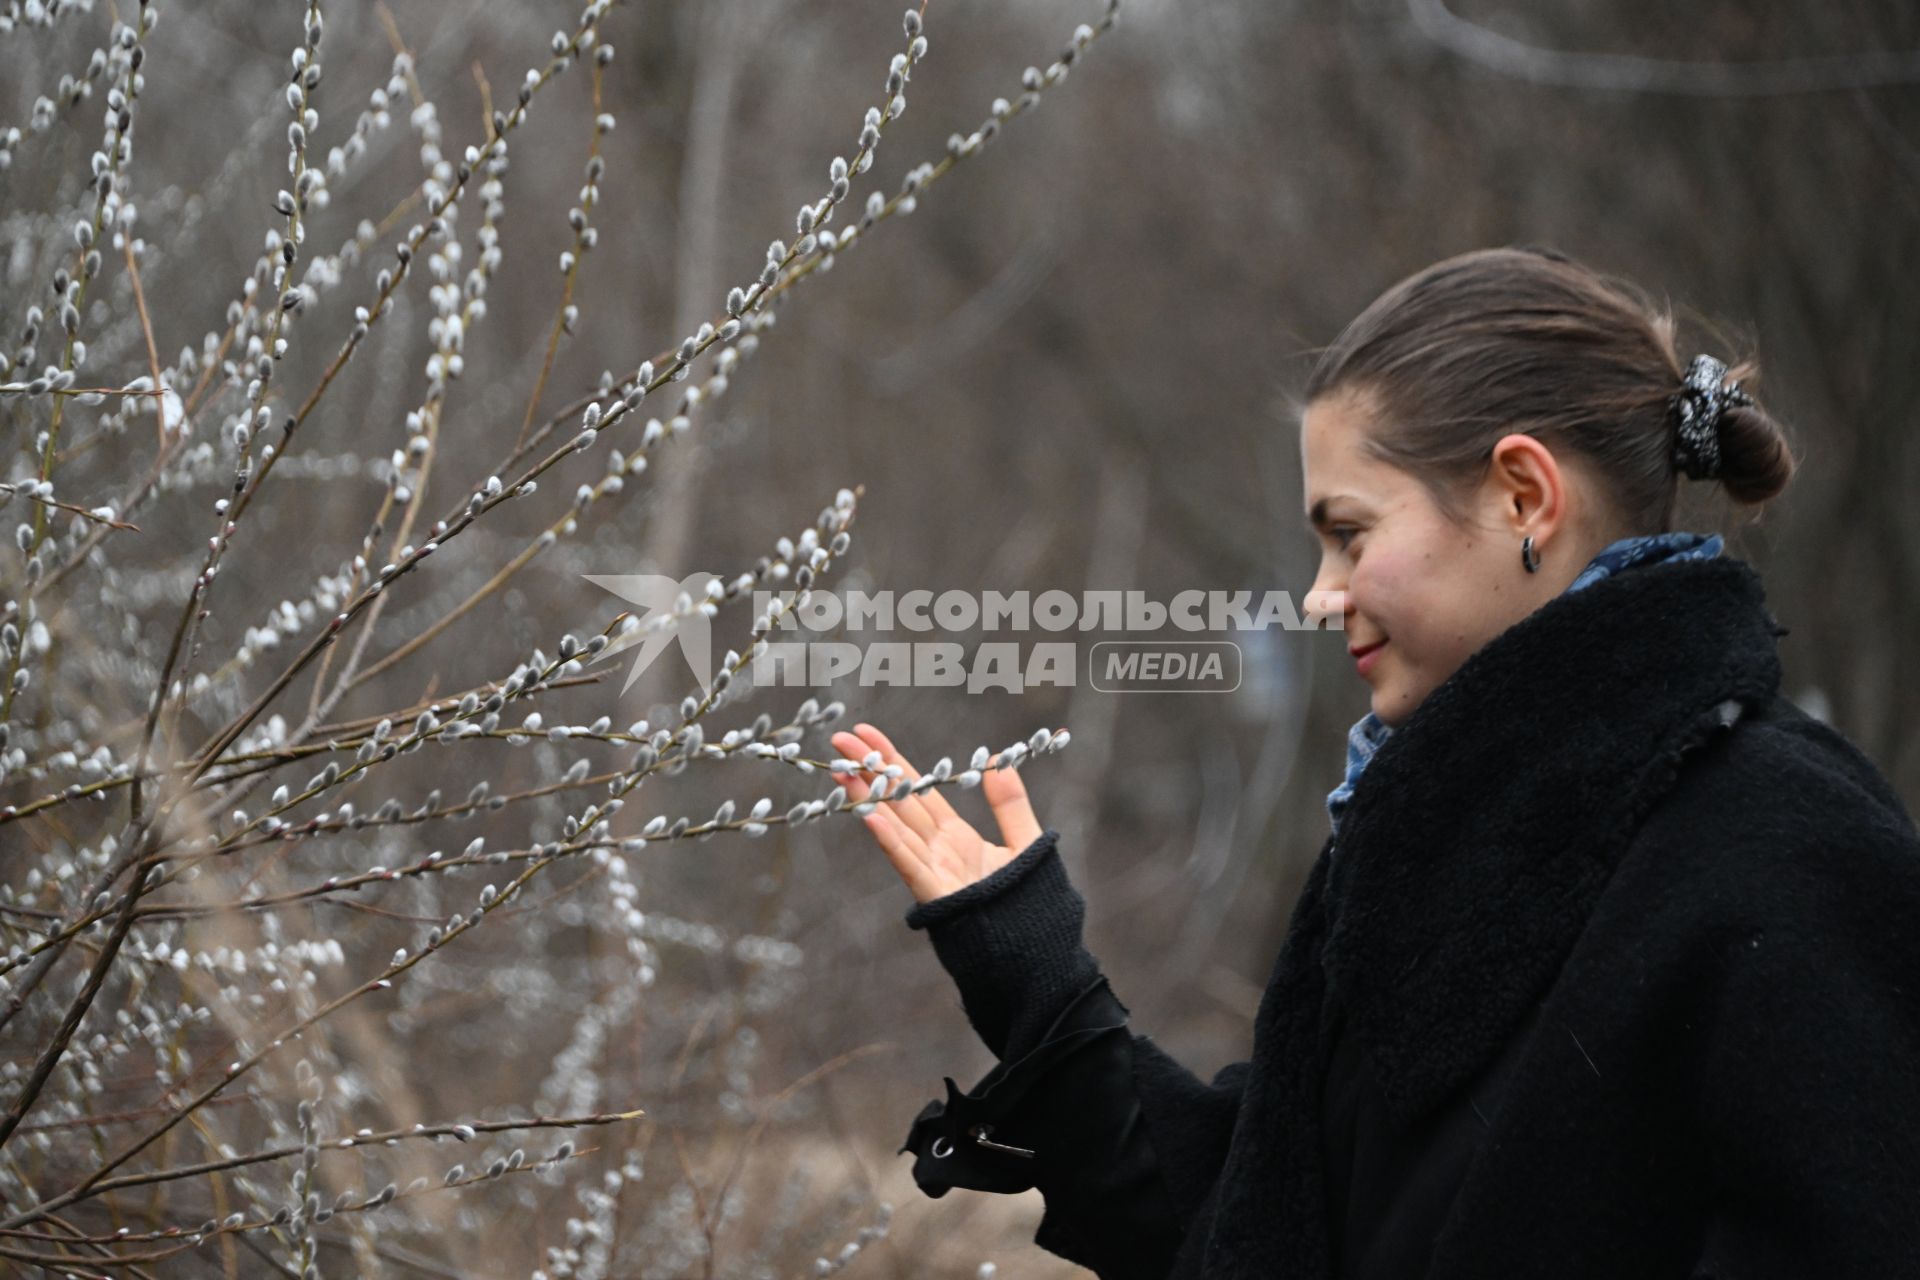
{"points": [[979, 1134]]}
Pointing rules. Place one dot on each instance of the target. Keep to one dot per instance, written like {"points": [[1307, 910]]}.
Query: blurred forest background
{"points": [[1068, 369]]}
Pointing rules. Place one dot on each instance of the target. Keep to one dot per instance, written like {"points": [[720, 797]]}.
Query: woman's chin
{"points": [[1389, 706]]}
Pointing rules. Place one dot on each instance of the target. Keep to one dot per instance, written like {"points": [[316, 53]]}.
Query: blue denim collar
{"points": [[1370, 731]]}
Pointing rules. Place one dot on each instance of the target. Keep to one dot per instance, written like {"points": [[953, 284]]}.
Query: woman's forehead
{"points": [[1332, 462]]}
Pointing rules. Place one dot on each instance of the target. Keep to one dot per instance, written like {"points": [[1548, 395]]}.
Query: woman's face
{"points": [[1426, 591]]}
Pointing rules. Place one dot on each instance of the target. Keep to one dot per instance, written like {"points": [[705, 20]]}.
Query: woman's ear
{"points": [[1530, 485]]}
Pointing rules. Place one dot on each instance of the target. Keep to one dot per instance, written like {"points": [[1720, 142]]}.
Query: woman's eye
{"points": [[1343, 534]]}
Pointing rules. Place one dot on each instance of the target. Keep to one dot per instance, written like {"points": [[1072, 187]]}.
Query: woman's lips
{"points": [[1363, 659]]}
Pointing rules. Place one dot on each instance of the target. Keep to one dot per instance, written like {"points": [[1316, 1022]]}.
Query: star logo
{"points": [[666, 597]]}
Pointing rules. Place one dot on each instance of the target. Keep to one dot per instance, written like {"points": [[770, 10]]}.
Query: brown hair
{"points": [[1525, 339]]}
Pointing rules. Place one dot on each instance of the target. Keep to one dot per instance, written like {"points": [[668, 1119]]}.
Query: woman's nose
{"points": [[1327, 603], [1327, 607]]}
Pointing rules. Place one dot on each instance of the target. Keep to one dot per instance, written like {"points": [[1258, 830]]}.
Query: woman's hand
{"points": [[934, 849]]}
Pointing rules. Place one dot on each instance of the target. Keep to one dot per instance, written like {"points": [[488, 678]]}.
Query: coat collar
{"points": [[1486, 825]]}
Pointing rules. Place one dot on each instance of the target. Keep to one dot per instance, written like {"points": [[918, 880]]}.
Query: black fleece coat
{"points": [[1613, 971]]}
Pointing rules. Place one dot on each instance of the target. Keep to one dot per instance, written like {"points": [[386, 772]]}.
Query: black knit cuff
{"points": [[940, 910], [1011, 942]]}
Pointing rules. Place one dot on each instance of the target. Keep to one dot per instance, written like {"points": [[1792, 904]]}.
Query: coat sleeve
{"points": [[1810, 1080], [1123, 1142]]}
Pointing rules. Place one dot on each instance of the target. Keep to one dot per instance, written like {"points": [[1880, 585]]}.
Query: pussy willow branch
{"points": [[336, 886], [793, 270], [465, 1132], [46, 955], [287, 295], [439, 731], [926, 176], [431, 414], [573, 269], [84, 513], [240, 1068], [20, 388], [1037, 84], [764, 1112], [411, 246], [46, 110], [259, 476], [56, 1047], [104, 186], [128, 503], [376, 1201], [172, 443], [326, 740], [146, 331], [478, 505], [539, 542], [47, 949], [99, 1120], [822, 559], [320, 703], [181, 864], [173, 655], [104, 183], [210, 752], [434, 863], [753, 299]]}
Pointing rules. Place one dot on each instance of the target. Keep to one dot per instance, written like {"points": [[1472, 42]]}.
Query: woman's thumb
{"points": [[1012, 810]]}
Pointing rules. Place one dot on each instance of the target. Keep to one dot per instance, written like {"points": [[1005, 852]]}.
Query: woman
{"points": [[1609, 965]]}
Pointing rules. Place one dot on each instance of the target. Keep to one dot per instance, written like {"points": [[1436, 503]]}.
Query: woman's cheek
{"points": [[1381, 586]]}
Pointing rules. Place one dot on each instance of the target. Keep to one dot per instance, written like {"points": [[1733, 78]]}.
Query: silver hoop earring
{"points": [[1528, 556]]}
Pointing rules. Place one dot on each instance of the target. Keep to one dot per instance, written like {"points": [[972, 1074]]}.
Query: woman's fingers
{"points": [[1007, 797], [934, 849], [909, 808], [859, 782], [936, 804], [860, 787], [905, 850]]}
